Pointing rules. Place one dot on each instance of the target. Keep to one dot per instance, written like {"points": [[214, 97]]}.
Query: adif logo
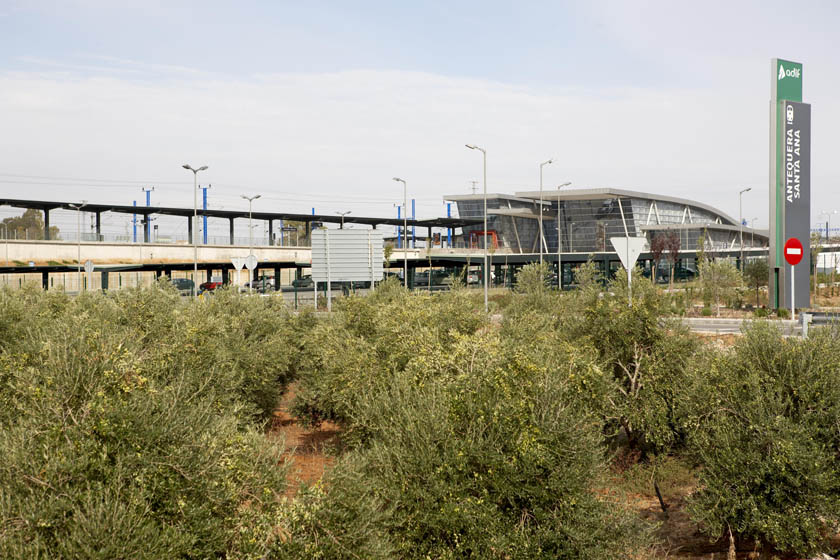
{"points": [[790, 73]]}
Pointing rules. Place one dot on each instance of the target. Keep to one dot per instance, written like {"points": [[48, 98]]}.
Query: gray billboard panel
{"points": [[347, 255], [795, 180]]}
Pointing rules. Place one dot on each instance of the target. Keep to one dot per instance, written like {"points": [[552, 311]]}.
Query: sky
{"points": [[319, 104]]}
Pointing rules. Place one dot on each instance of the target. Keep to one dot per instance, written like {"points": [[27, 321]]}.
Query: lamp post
{"points": [[342, 214], [486, 266], [741, 222], [559, 244], [195, 224], [405, 231], [543, 164], [78, 208], [250, 200]]}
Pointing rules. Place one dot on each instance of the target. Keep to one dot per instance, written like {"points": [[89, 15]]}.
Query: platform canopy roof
{"points": [[232, 214]]}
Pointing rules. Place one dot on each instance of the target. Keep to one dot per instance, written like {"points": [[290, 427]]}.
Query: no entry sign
{"points": [[793, 251]]}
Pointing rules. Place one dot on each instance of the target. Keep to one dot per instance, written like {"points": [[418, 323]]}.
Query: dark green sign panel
{"points": [[788, 80]]}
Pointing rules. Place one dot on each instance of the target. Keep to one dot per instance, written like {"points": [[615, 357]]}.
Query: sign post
{"points": [[250, 264], [629, 249], [238, 263], [790, 180], [793, 255]]}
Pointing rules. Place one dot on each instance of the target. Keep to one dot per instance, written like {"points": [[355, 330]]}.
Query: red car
{"points": [[208, 286]]}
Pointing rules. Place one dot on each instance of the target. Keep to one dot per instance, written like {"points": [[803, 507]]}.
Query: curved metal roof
{"points": [[610, 192]]}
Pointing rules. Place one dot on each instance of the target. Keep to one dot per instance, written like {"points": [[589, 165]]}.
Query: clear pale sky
{"points": [[319, 104]]}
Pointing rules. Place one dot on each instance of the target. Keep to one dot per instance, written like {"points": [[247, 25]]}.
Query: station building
{"points": [[583, 221]]}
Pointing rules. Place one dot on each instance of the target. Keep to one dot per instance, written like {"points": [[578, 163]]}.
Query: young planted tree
{"points": [[658, 243], [719, 278], [672, 246], [756, 275]]}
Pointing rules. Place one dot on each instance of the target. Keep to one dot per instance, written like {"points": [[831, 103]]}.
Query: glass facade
{"points": [[587, 225]]}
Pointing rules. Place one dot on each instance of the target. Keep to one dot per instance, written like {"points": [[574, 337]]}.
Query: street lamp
{"points": [[405, 231], [741, 222], [250, 200], [195, 224], [559, 244], [342, 214], [543, 164], [486, 265], [78, 208]]}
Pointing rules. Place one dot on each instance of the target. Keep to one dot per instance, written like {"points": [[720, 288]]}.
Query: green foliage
{"points": [[765, 431], [756, 275], [485, 456], [128, 425], [783, 313], [760, 312], [706, 311], [29, 225], [646, 355], [719, 278], [370, 338]]}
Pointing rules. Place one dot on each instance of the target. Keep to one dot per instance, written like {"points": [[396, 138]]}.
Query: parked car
{"points": [[303, 282], [261, 285], [208, 287], [183, 285]]}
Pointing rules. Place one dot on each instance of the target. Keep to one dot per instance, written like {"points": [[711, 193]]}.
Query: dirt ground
{"points": [[306, 447]]}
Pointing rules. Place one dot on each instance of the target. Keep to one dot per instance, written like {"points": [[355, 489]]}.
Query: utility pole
{"points": [[474, 186], [204, 207]]}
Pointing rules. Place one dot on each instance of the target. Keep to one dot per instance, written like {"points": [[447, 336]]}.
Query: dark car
{"points": [[303, 282], [183, 285]]}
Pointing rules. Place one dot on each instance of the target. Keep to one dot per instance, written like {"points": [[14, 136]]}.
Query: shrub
{"points": [[368, 340], [706, 311], [115, 445], [489, 456], [646, 356], [765, 432], [760, 312], [782, 313]]}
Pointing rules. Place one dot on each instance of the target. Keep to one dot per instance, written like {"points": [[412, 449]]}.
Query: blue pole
{"points": [[204, 205], [148, 198], [449, 231], [281, 233], [399, 229], [134, 221], [413, 217]]}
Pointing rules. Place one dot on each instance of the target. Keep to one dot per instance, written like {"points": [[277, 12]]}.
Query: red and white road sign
{"points": [[793, 251]]}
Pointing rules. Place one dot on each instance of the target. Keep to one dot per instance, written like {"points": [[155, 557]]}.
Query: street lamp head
{"points": [[566, 184], [257, 196], [471, 147], [547, 162], [185, 166], [399, 180], [745, 190], [202, 168]]}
